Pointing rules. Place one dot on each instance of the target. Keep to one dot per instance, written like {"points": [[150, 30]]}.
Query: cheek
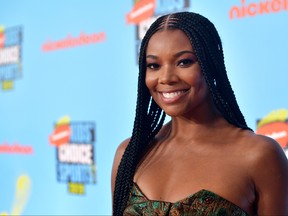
{"points": [[197, 80], [200, 82], [150, 81], [203, 87]]}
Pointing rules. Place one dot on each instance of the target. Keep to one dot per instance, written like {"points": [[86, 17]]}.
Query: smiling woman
{"points": [[173, 74], [206, 160]]}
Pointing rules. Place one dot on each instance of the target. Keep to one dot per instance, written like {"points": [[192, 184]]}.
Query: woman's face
{"points": [[173, 74]]}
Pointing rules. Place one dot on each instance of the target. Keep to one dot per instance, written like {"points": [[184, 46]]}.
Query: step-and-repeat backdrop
{"points": [[68, 73]]}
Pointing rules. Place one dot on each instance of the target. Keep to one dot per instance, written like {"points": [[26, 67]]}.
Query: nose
{"points": [[168, 75]]}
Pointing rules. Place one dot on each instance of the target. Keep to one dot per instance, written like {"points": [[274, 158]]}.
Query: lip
{"points": [[174, 96]]}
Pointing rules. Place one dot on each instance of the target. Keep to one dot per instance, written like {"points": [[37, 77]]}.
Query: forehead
{"points": [[169, 40]]}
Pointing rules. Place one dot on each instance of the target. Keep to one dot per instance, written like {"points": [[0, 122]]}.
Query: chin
{"points": [[172, 113]]}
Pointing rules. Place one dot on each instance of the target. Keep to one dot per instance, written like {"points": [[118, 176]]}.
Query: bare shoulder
{"points": [[263, 147], [120, 150], [268, 168], [262, 151], [117, 158]]}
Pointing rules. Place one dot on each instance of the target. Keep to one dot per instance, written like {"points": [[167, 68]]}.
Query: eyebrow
{"points": [[175, 55], [184, 52]]}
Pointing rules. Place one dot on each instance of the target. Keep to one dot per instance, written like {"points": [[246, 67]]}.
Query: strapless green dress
{"points": [[203, 202]]}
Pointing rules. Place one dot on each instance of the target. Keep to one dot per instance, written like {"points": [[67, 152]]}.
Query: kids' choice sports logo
{"points": [[10, 56], [275, 125], [145, 12], [74, 142], [261, 7]]}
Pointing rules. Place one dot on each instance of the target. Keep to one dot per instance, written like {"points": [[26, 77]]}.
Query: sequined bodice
{"points": [[203, 202]]}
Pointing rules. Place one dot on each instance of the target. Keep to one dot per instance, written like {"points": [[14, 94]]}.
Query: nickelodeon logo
{"points": [[71, 42], [142, 10], [275, 125], [145, 9], [2, 37], [258, 8]]}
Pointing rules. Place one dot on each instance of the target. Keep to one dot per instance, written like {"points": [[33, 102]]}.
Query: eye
{"points": [[185, 62], [153, 66]]}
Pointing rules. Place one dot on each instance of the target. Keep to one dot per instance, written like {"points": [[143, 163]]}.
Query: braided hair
{"points": [[150, 117]]}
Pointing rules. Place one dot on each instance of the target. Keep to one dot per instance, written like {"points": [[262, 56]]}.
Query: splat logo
{"points": [[10, 56], [275, 125], [257, 8], [144, 12], [74, 142]]}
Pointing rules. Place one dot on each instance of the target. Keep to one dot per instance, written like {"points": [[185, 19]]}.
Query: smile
{"points": [[172, 97]]}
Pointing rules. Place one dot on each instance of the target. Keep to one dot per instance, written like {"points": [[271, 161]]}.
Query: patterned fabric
{"points": [[203, 202]]}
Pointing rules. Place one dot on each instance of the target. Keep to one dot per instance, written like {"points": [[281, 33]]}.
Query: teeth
{"points": [[171, 95]]}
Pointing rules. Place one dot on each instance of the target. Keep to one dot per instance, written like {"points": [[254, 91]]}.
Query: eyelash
{"points": [[185, 62], [182, 63], [153, 66]]}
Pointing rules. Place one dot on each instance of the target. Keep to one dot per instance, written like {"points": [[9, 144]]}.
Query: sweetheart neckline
{"points": [[188, 197]]}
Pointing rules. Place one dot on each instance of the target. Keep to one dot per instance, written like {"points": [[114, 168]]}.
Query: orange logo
{"points": [[275, 125], [142, 10], [62, 132], [258, 8], [2, 37]]}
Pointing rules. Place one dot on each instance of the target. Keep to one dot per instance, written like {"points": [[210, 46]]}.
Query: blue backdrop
{"points": [[68, 72]]}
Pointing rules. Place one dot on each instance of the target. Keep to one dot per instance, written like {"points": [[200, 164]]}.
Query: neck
{"points": [[197, 127]]}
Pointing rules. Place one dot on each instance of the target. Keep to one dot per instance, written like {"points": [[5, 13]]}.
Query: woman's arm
{"points": [[118, 156]]}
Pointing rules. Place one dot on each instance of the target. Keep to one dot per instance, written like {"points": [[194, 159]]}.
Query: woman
{"points": [[205, 161]]}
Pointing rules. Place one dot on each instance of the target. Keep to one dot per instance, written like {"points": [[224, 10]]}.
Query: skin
{"points": [[198, 149]]}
